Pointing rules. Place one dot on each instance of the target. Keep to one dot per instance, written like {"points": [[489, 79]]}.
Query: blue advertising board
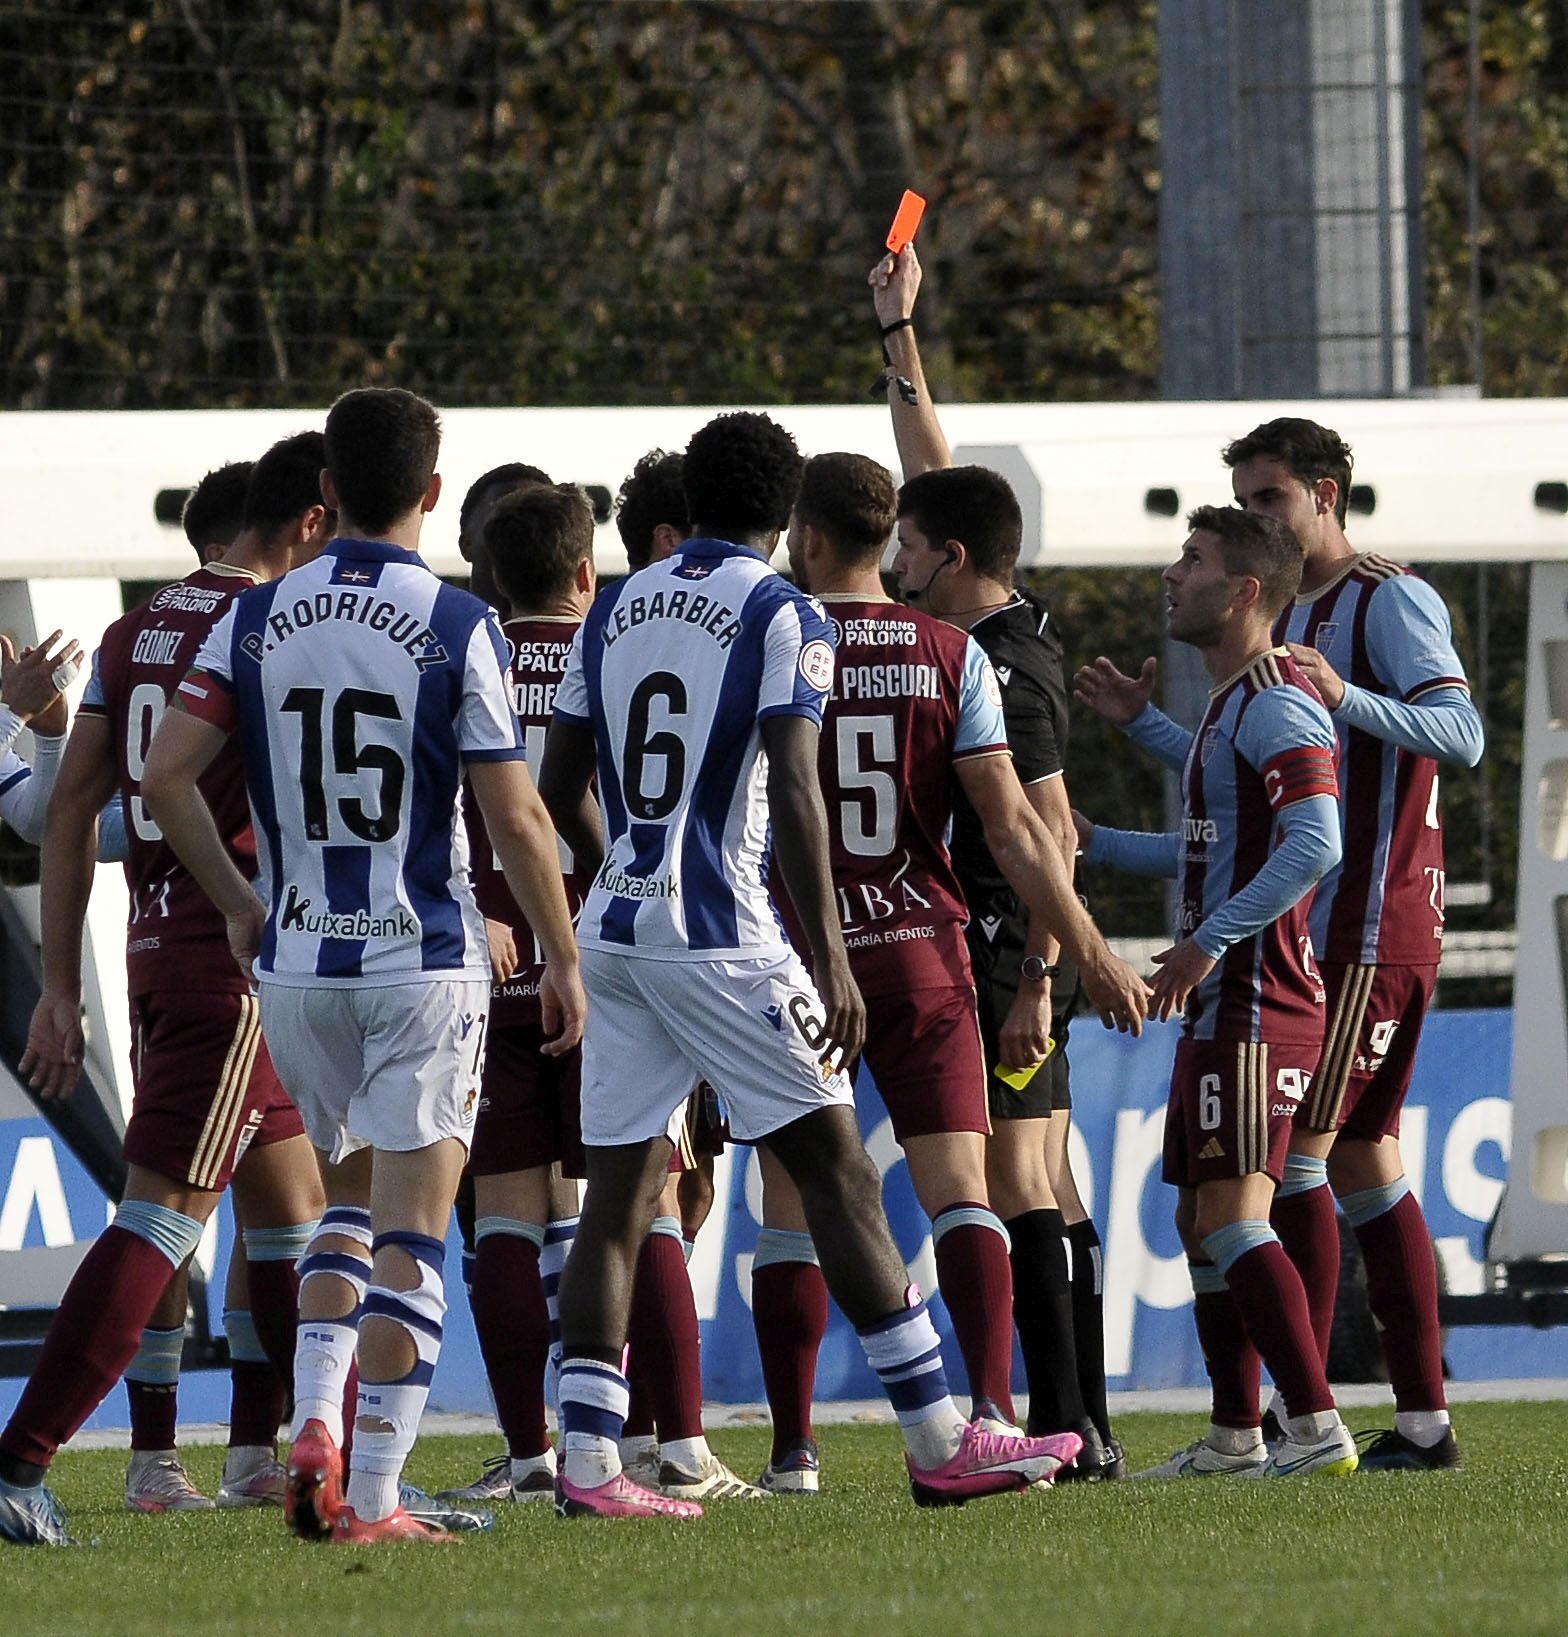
{"points": [[1455, 1137]]}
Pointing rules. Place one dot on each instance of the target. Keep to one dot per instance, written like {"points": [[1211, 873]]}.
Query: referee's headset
{"points": [[913, 595]]}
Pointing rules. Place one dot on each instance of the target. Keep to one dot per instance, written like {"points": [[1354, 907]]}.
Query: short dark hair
{"points": [[973, 505], [285, 482], [214, 510], [381, 449], [854, 502], [1309, 452], [740, 473], [652, 494], [536, 538], [1255, 545], [511, 475]]}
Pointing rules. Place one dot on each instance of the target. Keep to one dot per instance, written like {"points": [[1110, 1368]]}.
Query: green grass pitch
{"points": [[1476, 1552]]}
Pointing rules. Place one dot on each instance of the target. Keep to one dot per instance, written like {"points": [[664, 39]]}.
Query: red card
{"points": [[907, 220]]}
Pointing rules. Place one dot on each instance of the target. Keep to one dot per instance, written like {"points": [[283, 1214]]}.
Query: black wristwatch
{"points": [[1036, 969]]}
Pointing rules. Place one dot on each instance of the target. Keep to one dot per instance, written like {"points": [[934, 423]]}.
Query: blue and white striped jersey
{"points": [[360, 685], [676, 668]]}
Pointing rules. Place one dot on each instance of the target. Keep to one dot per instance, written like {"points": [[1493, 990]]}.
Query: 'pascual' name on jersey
{"points": [[355, 925], [411, 634], [692, 608]]}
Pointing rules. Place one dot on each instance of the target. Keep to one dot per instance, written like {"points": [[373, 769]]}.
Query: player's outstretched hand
{"points": [[33, 683], [1329, 683], [503, 950], [1182, 968], [55, 1043], [1117, 993], [1025, 1035], [1111, 693], [895, 282], [843, 1016], [244, 929], [563, 1008]]}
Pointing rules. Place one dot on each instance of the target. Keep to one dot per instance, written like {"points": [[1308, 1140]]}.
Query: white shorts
{"points": [[654, 1026], [394, 1067]]}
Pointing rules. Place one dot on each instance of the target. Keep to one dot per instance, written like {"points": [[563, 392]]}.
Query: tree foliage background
{"points": [[223, 203]]}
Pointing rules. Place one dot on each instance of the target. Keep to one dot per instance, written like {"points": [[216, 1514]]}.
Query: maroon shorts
{"points": [[1375, 1015], [205, 1089], [528, 1106], [1231, 1108], [923, 1049]]}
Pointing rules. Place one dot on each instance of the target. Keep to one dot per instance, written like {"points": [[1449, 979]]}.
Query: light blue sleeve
{"points": [[1164, 739], [980, 722], [92, 694], [1442, 723], [1308, 850], [1281, 719], [1411, 645], [1410, 640], [1137, 852], [114, 842]]}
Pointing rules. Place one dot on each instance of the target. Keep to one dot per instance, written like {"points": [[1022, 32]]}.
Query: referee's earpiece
{"points": [[950, 557]]}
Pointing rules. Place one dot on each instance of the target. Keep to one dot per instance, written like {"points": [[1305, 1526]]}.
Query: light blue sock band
{"points": [[157, 1361], [1207, 1280], [286, 1244], [968, 1216], [776, 1245], [487, 1226], [171, 1232], [669, 1226], [1226, 1246], [1362, 1207], [244, 1344], [1303, 1173], [688, 1246]]}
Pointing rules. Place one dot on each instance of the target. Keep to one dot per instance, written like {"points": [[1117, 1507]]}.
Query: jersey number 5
{"points": [[349, 758], [864, 774]]}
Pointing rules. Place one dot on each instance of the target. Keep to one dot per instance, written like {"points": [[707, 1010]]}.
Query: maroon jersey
{"points": [[1264, 744], [911, 696], [176, 939], [537, 646], [1387, 631]]}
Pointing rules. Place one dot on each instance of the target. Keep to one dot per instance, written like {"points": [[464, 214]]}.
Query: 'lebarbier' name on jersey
{"points": [[676, 669], [360, 685]]}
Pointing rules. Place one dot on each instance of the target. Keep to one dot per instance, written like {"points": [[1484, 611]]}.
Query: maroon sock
{"points": [[1308, 1228], [1235, 1370], [274, 1310], [1273, 1307], [789, 1308], [976, 1278], [154, 1414], [1402, 1293], [664, 1336], [639, 1402], [256, 1404], [94, 1335], [514, 1336]]}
